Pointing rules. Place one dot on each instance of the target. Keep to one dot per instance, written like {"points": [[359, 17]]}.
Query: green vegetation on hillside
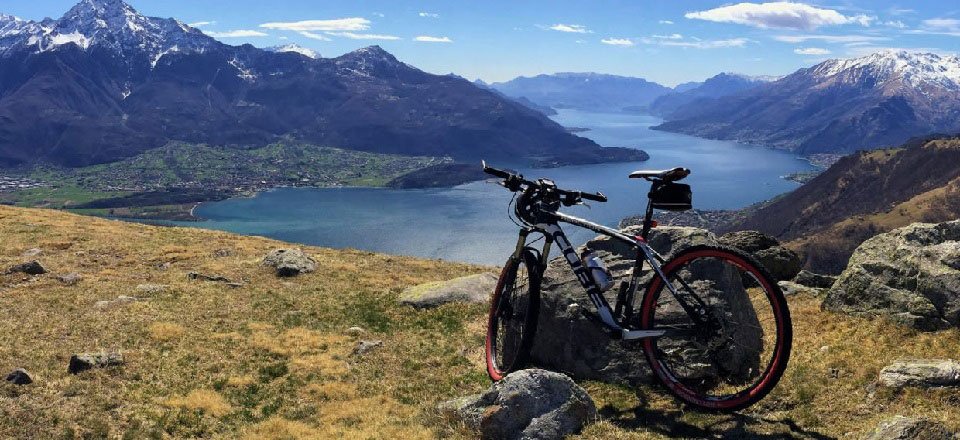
{"points": [[172, 178]]}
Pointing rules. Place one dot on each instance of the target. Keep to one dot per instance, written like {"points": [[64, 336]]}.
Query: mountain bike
{"points": [[712, 323]]}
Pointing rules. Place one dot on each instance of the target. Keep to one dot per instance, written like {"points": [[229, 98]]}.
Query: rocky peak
{"points": [[295, 48], [367, 61]]}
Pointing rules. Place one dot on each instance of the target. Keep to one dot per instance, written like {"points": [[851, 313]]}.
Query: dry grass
{"points": [[272, 359]]}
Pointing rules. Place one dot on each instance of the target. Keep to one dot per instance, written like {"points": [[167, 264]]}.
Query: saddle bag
{"points": [[670, 196]]}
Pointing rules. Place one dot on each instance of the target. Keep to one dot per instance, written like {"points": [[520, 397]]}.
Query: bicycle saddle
{"points": [[671, 175]]}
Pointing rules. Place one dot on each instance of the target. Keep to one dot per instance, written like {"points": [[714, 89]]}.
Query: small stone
{"points": [[825, 348], [86, 361], [205, 277], [19, 377], [30, 253], [364, 347], [290, 262], [355, 331], [222, 253], [151, 289], [70, 279], [31, 268], [908, 428], [790, 288]]}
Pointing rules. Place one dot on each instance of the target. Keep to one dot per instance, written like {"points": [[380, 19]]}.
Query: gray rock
{"points": [[223, 253], [527, 404], [810, 279], [19, 377], [908, 428], [30, 268], [86, 361], [70, 279], [468, 289], [30, 253], [290, 262], [781, 262], [924, 373], [905, 275], [364, 347], [568, 341], [356, 331], [151, 289], [791, 288]]}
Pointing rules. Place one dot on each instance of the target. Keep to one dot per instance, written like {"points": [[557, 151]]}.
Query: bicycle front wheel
{"points": [[512, 322], [728, 328]]}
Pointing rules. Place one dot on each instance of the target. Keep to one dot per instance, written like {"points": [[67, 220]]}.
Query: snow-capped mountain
{"points": [[112, 25], [104, 82], [881, 99], [294, 48]]}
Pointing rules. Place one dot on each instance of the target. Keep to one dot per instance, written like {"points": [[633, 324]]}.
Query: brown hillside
{"points": [[862, 195]]}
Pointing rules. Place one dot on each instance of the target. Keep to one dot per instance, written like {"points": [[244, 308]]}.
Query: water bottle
{"points": [[601, 275]]}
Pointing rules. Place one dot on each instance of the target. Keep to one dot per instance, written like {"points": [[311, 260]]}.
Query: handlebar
{"points": [[513, 182]]}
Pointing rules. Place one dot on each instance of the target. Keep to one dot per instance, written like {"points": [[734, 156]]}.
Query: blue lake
{"points": [[469, 223]]}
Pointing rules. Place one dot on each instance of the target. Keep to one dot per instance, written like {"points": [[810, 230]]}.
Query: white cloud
{"points": [[239, 33], [429, 15], [938, 26], [847, 39], [429, 39], [354, 36], [665, 22], [201, 24], [340, 24], [379, 14], [575, 28], [617, 41], [781, 15], [706, 44], [895, 24], [811, 51], [314, 36], [668, 37]]}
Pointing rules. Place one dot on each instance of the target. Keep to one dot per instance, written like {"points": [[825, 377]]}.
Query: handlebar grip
{"points": [[598, 197], [495, 172]]}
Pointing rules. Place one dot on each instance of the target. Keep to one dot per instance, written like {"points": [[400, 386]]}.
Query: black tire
{"points": [[512, 322], [737, 358]]}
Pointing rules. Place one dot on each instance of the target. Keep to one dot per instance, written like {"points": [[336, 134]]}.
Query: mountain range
{"points": [[691, 96], [837, 106], [104, 82], [584, 91]]}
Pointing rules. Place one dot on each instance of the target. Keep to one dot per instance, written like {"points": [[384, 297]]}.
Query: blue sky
{"points": [[664, 41]]}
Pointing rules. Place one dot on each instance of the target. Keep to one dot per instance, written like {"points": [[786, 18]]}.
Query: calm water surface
{"points": [[469, 223]]}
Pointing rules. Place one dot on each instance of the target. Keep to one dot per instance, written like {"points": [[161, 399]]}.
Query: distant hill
{"points": [[691, 96], [864, 194], [104, 82], [584, 91], [838, 106]]}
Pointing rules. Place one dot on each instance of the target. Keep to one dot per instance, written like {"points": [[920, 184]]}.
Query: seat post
{"points": [[647, 220]]}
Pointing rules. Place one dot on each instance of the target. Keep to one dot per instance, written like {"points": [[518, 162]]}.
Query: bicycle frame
{"points": [[553, 233]]}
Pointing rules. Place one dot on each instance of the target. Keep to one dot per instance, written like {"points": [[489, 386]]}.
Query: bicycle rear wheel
{"points": [[512, 322], [730, 330]]}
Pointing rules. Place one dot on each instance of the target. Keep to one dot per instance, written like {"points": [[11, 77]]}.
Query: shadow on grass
{"points": [[723, 426]]}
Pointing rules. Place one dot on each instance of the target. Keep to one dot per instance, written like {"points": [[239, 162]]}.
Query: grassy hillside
{"points": [[273, 359], [862, 195]]}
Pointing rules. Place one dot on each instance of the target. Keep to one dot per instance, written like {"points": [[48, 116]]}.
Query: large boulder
{"points": [[923, 373], [784, 264], [815, 280], [909, 428], [527, 404], [469, 289], [568, 341], [911, 275]]}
